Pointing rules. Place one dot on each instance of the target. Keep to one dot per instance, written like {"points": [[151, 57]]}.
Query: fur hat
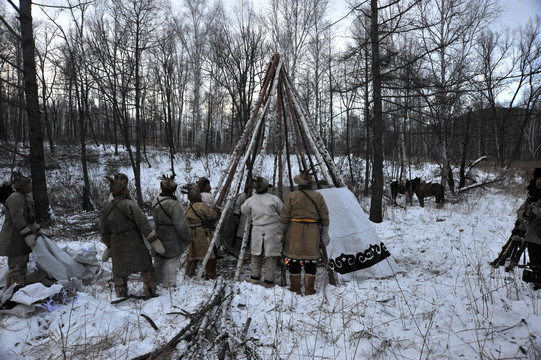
{"points": [[261, 184], [304, 179], [537, 173], [194, 195], [202, 182], [118, 183], [20, 182], [168, 184]]}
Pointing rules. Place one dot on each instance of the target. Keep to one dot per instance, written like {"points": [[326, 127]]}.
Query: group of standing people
{"points": [[292, 229], [124, 229]]}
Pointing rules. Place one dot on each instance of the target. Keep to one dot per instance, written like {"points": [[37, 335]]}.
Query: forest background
{"points": [[405, 81]]}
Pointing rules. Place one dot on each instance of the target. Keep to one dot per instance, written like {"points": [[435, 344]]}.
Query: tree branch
{"points": [[15, 33]]}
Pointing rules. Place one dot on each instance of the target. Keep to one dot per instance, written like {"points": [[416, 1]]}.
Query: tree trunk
{"points": [[376, 203], [462, 181], [367, 121], [37, 158]]}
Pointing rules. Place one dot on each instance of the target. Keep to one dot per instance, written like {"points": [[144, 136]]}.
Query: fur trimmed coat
{"points": [[20, 219], [124, 225], [304, 212], [171, 224], [201, 218]]}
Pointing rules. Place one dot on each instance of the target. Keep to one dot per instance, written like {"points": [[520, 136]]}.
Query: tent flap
{"points": [[355, 251]]}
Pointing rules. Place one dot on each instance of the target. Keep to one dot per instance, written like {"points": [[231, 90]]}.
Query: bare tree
{"points": [[166, 68], [193, 29], [290, 23], [47, 74], [37, 157], [240, 52], [448, 32]]}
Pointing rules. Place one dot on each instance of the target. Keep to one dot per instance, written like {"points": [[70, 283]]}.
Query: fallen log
{"points": [[467, 188]]}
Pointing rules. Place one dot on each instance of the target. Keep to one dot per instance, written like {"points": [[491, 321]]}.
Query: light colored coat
{"points": [[171, 224], [20, 219], [302, 238], [122, 221], [264, 210], [201, 218]]}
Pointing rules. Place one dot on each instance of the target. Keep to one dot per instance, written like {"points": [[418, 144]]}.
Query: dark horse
{"points": [[423, 189], [397, 187]]}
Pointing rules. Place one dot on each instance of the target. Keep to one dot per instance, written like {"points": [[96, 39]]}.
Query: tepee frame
{"points": [[278, 104]]}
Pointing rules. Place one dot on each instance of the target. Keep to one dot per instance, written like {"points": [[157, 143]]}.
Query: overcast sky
{"points": [[515, 11], [519, 11]]}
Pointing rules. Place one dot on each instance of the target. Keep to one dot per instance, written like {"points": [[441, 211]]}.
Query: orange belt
{"points": [[304, 220]]}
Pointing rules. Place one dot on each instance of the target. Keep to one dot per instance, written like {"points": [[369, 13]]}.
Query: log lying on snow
{"points": [[466, 188], [209, 332]]}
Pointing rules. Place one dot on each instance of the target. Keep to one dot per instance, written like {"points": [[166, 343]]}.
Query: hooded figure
{"points": [[305, 216], [171, 223], [264, 210], [121, 225], [531, 213], [201, 218], [19, 231]]}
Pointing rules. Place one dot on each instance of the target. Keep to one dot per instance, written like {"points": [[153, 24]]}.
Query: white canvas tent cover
{"points": [[68, 268], [356, 252]]}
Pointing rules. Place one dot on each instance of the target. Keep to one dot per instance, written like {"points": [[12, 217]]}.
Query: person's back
{"points": [[171, 223], [201, 218], [306, 217], [19, 231], [264, 210], [122, 228]]}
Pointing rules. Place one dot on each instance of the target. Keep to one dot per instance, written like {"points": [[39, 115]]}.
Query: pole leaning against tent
{"points": [[234, 176]]}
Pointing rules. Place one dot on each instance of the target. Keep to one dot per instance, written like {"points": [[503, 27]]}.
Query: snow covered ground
{"points": [[447, 303]]}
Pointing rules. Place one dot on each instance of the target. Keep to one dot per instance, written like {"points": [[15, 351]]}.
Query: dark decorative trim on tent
{"points": [[344, 264]]}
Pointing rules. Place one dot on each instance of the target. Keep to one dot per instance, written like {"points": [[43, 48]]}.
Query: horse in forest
{"points": [[397, 187], [423, 189]]}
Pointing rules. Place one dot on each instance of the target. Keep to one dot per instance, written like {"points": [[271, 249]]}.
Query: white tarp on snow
{"points": [[356, 251], [69, 268]]}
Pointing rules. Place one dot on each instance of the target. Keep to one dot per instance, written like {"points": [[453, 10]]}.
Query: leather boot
{"points": [[295, 280], [191, 265], [309, 281], [121, 286], [149, 282], [210, 270]]}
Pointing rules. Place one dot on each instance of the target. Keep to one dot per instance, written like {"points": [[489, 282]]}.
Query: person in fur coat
{"points": [[124, 228], [171, 223], [201, 219], [20, 231], [305, 216], [264, 210]]}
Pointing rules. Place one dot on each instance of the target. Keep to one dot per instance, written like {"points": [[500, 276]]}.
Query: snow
{"points": [[447, 302]]}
